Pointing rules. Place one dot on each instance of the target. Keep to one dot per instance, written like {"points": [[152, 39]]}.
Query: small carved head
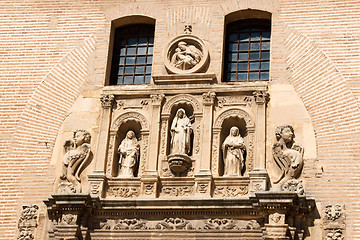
{"points": [[81, 136], [285, 132], [180, 113], [130, 134], [182, 45], [234, 131]]}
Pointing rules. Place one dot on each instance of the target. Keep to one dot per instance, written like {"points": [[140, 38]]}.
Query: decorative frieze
{"points": [[174, 224], [177, 191], [230, 191], [123, 192]]}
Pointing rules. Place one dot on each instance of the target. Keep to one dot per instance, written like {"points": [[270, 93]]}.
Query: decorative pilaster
{"points": [[261, 98], [203, 178], [28, 222], [107, 102], [334, 221]]}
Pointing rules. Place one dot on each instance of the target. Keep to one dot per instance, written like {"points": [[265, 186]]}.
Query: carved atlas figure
{"points": [[129, 151], [233, 153], [180, 133], [186, 56], [76, 158], [288, 156]]}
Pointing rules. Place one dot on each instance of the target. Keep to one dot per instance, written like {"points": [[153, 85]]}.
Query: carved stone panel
{"points": [[28, 221]]}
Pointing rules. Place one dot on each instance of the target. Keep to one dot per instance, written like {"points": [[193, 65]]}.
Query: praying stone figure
{"points": [[129, 151], [288, 156], [233, 149], [186, 56], [76, 158], [180, 133]]}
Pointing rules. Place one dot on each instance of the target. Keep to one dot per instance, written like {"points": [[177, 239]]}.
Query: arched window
{"points": [[132, 54], [247, 50]]}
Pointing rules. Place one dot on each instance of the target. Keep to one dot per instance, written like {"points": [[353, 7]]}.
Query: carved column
{"points": [[203, 177], [97, 178], [150, 175], [259, 176]]}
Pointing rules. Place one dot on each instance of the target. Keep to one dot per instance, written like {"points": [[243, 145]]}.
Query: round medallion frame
{"points": [[190, 40]]}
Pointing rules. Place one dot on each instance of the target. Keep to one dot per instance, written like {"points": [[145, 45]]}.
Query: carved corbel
{"points": [[107, 101]]}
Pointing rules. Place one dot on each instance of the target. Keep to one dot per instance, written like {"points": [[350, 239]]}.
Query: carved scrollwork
{"points": [[148, 189], [234, 101], [261, 97], [233, 191], [177, 191], [215, 153], [293, 185], [252, 225], [333, 212], [144, 149], [209, 97], [124, 192], [110, 155], [174, 224], [68, 219], [220, 224], [124, 224], [28, 222], [181, 98], [203, 187], [334, 234]]}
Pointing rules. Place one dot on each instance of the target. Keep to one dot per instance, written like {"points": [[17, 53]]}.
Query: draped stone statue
{"points": [[180, 133], [233, 153], [129, 151], [186, 56], [288, 156], [76, 158]]}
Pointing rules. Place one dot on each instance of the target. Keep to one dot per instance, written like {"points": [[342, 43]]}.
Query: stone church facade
{"points": [[180, 120]]}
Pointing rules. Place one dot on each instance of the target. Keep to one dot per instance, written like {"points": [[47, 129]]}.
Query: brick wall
{"points": [[51, 51]]}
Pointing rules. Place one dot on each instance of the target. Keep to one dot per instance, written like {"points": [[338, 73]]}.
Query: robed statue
{"points": [[233, 149], [129, 151], [180, 133]]}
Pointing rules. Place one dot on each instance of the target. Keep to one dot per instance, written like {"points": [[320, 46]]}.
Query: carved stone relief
{"points": [[334, 222], [234, 101], [176, 191], [132, 104], [230, 191], [123, 192], [288, 155], [77, 157], [68, 219], [174, 224], [186, 54], [107, 101], [123, 224], [28, 221], [293, 185]]}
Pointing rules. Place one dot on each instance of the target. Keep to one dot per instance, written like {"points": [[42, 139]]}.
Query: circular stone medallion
{"points": [[186, 54]]}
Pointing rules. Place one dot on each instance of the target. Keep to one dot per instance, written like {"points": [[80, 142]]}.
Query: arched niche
{"points": [[181, 99], [241, 119], [135, 122]]}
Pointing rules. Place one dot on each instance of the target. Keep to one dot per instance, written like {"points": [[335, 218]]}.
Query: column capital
{"points": [[261, 97], [107, 100], [157, 99], [209, 98]]}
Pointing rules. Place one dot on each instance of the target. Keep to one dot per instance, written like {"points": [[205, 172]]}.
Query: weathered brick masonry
{"points": [[54, 52]]}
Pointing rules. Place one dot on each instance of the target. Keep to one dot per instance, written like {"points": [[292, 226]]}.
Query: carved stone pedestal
{"points": [[259, 179], [96, 183]]}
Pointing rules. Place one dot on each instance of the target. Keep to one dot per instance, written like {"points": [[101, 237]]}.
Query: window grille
{"points": [[247, 52], [132, 55]]}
